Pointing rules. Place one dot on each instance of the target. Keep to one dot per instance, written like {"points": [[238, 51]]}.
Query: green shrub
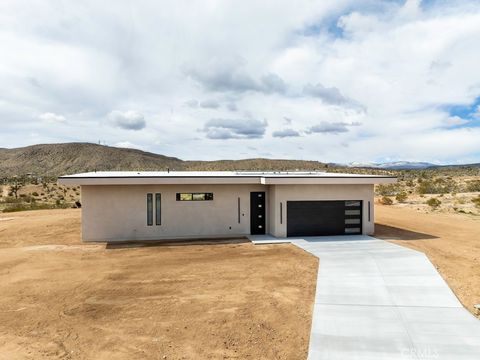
{"points": [[401, 197], [387, 190], [437, 186], [34, 193], [476, 201], [12, 200], [433, 203], [385, 200], [33, 206], [473, 186]]}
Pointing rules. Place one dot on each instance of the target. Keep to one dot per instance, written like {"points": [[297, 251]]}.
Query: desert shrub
{"points": [[12, 200], [476, 201], [34, 193], [33, 206], [401, 197], [433, 203], [387, 190], [473, 186], [437, 186], [385, 200]]}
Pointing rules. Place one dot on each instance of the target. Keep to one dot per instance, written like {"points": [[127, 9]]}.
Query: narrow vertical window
{"points": [[238, 208], [149, 209], [369, 211], [281, 213], [158, 209]]}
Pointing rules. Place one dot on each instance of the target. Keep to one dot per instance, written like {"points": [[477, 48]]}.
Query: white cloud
{"points": [[128, 120], [128, 145], [394, 67], [52, 118]]}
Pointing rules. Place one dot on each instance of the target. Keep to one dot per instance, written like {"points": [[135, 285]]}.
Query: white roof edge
{"points": [[219, 174], [220, 177]]}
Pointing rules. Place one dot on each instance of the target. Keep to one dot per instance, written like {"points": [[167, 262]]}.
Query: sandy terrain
{"points": [[451, 241], [63, 299], [460, 203]]}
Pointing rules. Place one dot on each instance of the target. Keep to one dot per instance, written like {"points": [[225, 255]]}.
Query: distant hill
{"points": [[70, 158], [396, 165]]}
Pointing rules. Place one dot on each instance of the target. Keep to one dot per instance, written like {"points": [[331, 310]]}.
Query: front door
{"points": [[257, 213]]}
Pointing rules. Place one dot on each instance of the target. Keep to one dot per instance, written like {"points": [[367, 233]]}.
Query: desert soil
{"points": [[451, 242], [64, 299]]}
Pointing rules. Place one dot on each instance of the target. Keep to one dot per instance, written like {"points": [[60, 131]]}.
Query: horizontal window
{"points": [[352, 230], [352, 203], [352, 221], [352, 212], [194, 196]]}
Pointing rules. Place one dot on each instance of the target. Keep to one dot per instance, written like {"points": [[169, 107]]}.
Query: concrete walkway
{"points": [[378, 300]]}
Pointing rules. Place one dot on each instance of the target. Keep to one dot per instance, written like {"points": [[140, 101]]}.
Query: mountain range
{"points": [[70, 158]]}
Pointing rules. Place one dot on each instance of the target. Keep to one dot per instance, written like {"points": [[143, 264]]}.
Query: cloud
{"points": [[272, 83], [331, 127], [328, 95], [455, 121], [224, 76], [231, 76], [209, 104], [232, 106], [476, 114], [285, 133], [235, 129], [287, 120], [309, 59], [128, 145], [128, 120], [52, 118], [191, 103]]}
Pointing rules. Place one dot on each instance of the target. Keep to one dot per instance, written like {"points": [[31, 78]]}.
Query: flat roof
{"points": [[225, 177]]}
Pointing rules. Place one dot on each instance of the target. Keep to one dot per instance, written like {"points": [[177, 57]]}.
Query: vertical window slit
{"points": [[158, 209], [238, 208], [149, 209], [281, 213], [369, 212]]}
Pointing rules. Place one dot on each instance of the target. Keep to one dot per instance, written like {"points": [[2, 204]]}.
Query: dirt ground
{"points": [[451, 241], [64, 299]]}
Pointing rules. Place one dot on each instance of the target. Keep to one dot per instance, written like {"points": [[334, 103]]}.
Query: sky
{"points": [[334, 81]]}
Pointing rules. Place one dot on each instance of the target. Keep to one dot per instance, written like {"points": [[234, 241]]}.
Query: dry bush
{"points": [[437, 186], [401, 197], [473, 186], [385, 200], [433, 203], [476, 201]]}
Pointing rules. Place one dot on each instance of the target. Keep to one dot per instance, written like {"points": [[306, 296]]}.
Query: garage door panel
{"points": [[317, 218]]}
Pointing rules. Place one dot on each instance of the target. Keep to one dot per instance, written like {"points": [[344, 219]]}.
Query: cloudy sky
{"points": [[340, 81]]}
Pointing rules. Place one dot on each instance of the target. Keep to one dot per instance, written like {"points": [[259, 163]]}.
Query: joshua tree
{"points": [[14, 188]]}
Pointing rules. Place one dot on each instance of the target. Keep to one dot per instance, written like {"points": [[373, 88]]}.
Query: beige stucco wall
{"points": [[118, 212], [283, 193]]}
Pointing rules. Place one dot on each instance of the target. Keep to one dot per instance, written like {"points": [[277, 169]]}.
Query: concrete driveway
{"points": [[377, 300]]}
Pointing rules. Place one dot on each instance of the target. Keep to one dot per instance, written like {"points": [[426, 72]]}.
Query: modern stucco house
{"points": [[175, 205]]}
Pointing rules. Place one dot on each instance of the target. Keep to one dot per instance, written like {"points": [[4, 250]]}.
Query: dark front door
{"points": [[316, 218], [257, 213]]}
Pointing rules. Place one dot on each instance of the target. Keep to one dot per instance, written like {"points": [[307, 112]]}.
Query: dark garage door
{"points": [[317, 218]]}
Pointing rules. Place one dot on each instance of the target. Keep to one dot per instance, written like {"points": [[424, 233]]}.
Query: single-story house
{"points": [[201, 204]]}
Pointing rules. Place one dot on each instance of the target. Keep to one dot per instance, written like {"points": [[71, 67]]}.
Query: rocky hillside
{"points": [[58, 159], [70, 158]]}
